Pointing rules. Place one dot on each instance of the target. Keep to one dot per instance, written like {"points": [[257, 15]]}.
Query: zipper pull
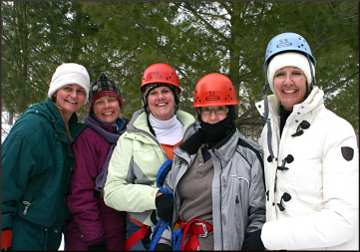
{"points": [[27, 205]]}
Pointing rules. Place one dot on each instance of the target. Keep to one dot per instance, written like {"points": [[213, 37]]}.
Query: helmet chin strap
{"points": [[313, 81], [266, 118]]}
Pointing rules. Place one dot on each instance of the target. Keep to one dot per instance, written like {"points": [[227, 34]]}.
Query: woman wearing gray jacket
{"points": [[216, 177]]}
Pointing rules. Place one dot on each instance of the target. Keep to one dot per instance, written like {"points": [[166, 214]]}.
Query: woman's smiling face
{"points": [[70, 98], [161, 103], [290, 86]]}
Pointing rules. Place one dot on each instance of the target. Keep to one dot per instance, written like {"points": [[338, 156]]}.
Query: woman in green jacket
{"points": [[36, 164]]}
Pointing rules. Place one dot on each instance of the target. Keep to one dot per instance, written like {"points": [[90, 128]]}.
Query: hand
{"points": [[164, 207], [193, 143], [101, 246], [253, 241], [163, 247], [5, 239]]}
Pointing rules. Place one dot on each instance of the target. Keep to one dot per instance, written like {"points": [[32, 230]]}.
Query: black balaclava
{"points": [[216, 134], [212, 135]]}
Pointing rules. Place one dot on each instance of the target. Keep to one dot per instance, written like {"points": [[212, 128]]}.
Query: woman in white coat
{"points": [[310, 157]]}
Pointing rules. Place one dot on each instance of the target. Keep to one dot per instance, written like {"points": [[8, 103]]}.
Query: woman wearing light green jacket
{"points": [[151, 136]]}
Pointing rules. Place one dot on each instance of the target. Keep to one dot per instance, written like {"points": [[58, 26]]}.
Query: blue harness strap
{"points": [[162, 172], [176, 237], [161, 225]]}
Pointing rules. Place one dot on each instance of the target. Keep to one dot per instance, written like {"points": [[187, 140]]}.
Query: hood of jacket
{"points": [[51, 113]]}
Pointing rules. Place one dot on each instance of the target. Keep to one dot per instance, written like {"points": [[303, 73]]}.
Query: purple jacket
{"points": [[92, 221]]}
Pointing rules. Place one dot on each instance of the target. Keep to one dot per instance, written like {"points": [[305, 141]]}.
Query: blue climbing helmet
{"points": [[287, 41], [284, 42]]}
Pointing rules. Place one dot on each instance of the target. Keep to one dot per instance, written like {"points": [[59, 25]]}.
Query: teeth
{"points": [[289, 91]]}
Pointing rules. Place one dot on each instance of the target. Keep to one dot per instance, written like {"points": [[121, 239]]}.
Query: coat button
{"points": [[289, 158]]}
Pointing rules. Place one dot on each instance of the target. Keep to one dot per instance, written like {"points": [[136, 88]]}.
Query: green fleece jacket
{"points": [[36, 162]]}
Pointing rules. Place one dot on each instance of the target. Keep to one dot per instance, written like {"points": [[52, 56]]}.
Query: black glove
{"points": [[253, 241], [164, 207], [101, 246], [163, 247], [193, 143]]}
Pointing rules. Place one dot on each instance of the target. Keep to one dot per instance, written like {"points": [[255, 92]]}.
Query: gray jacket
{"points": [[238, 195]]}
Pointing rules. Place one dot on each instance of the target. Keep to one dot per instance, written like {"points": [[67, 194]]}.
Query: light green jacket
{"points": [[131, 181]]}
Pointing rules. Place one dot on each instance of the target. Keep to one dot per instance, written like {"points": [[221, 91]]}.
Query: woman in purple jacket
{"points": [[93, 225]]}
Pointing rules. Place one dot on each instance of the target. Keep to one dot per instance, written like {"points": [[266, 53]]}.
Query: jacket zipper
{"points": [[26, 204]]}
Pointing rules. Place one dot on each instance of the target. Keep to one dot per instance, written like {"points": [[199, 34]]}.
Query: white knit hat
{"points": [[69, 73], [289, 59]]}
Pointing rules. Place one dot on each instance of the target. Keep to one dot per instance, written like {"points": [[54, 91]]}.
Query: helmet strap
{"points": [[313, 81], [266, 118], [149, 124]]}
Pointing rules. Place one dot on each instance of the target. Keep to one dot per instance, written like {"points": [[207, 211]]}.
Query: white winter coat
{"points": [[321, 179]]}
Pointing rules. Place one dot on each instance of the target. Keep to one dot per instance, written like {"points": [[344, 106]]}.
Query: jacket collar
{"points": [[224, 153], [50, 112], [138, 123]]}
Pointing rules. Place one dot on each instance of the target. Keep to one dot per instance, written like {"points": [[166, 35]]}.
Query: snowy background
{"points": [[5, 126]]}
